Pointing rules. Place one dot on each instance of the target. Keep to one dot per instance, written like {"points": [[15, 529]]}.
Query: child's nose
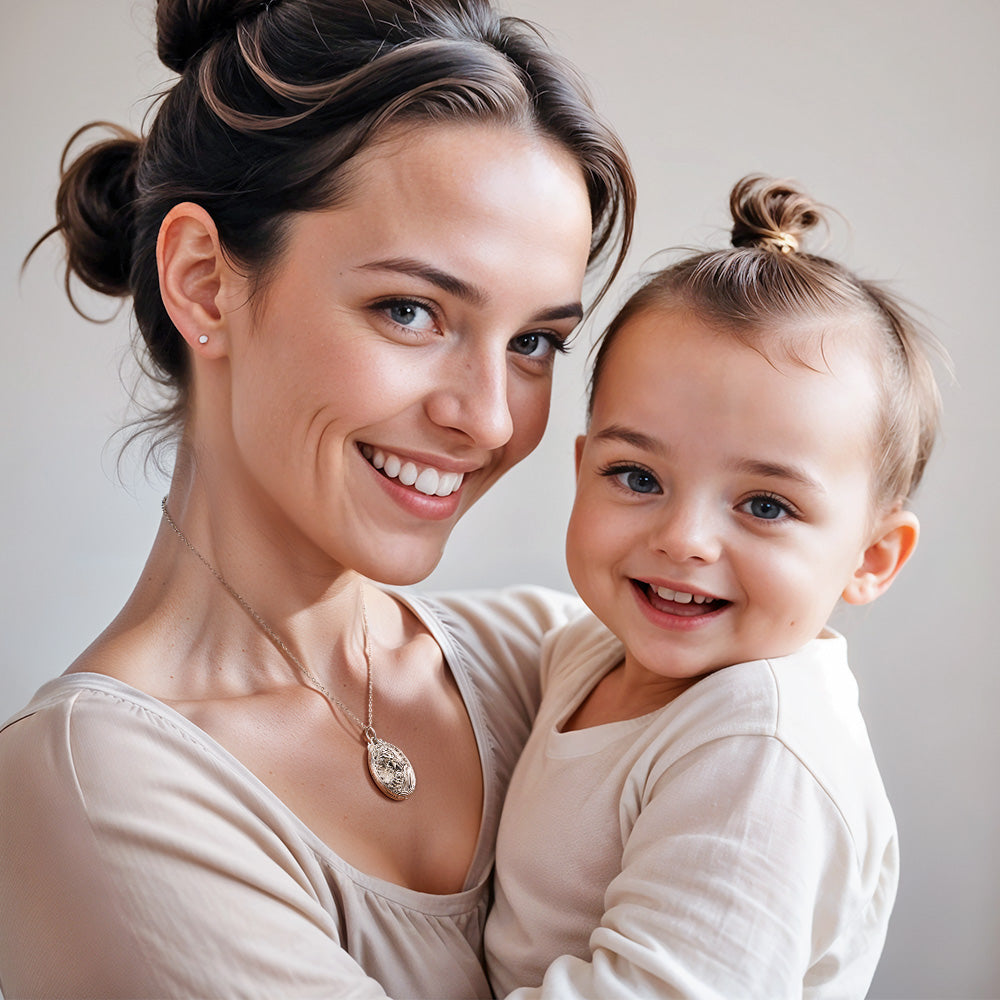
{"points": [[687, 532]]}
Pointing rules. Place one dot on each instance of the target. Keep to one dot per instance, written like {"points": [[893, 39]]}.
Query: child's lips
{"points": [[681, 603]]}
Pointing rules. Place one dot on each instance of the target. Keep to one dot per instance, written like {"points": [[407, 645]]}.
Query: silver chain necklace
{"points": [[389, 767]]}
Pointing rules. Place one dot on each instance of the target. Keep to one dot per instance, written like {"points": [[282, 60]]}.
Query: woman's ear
{"points": [[193, 272], [894, 540]]}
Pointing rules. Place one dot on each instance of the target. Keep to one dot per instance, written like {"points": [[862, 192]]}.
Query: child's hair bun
{"points": [[771, 214], [185, 27]]}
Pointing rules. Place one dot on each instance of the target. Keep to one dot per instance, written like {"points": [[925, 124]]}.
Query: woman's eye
{"points": [[766, 508], [408, 314], [537, 345], [633, 478]]}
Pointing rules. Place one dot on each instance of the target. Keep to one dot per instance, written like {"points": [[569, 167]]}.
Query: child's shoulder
{"points": [[582, 647], [788, 698], [802, 707]]}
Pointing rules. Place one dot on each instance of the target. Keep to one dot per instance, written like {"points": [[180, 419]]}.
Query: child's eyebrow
{"points": [[615, 432], [749, 466], [778, 470]]}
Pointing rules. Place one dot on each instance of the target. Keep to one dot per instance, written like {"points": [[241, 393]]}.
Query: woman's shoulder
{"points": [[492, 641], [523, 609], [502, 628], [80, 697], [97, 738]]}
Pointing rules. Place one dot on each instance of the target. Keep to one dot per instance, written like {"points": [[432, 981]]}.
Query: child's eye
{"points": [[410, 314], [633, 478], [765, 507], [539, 345]]}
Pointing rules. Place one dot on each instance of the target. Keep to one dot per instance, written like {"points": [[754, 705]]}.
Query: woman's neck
{"points": [[191, 628]]}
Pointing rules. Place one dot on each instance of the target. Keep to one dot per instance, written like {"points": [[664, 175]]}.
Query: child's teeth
{"points": [[680, 597]]}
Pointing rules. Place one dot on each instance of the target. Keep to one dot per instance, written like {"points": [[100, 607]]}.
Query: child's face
{"points": [[723, 503]]}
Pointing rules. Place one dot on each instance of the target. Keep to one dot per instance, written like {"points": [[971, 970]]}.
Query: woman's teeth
{"points": [[427, 480], [680, 597]]}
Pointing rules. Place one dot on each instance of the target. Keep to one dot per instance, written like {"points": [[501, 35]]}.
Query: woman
{"points": [[355, 238]]}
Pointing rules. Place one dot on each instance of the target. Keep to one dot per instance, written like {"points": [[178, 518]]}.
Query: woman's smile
{"points": [[421, 490]]}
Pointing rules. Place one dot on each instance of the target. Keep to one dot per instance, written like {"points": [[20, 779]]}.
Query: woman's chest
{"points": [[315, 760]]}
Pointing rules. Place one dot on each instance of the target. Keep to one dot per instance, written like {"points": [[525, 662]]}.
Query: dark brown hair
{"points": [[273, 99], [769, 294]]}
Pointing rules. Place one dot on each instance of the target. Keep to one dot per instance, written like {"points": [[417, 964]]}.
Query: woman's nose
{"points": [[472, 398], [687, 531]]}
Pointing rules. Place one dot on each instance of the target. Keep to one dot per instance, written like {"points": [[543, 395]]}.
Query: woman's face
{"points": [[400, 359]]}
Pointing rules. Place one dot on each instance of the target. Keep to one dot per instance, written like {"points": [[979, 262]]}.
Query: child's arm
{"points": [[740, 878]]}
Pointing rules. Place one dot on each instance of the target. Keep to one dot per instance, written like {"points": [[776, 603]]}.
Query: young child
{"points": [[698, 812]]}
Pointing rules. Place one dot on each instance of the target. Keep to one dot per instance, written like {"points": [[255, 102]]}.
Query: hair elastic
{"points": [[781, 242]]}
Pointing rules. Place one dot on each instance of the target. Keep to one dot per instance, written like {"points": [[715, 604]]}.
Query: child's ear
{"points": [[578, 457], [894, 540], [193, 275]]}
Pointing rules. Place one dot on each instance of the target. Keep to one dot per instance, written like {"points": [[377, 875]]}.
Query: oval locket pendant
{"points": [[390, 769]]}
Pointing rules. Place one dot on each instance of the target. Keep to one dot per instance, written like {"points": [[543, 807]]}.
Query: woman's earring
{"points": [[203, 339]]}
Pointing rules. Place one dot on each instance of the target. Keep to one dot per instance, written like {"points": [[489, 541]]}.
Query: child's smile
{"points": [[680, 603]]}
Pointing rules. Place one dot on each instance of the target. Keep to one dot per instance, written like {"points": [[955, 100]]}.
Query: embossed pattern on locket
{"points": [[390, 769]]}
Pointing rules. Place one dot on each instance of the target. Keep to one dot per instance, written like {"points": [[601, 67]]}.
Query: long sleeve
{"points": [[735, 843], [724, 893]]}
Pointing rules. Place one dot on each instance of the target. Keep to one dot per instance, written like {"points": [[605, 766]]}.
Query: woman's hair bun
{"points": [[185, 27], [771, 214], [95, 210]]}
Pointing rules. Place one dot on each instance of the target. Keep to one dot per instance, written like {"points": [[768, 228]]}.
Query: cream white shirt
{"points": [[139, 859], [736, 843]]}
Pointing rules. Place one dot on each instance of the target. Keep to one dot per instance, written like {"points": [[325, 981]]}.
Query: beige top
{"points": [[736, 843], [139, 859]]}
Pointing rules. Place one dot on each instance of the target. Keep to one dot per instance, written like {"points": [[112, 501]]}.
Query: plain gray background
{"points": [[887, 111]]}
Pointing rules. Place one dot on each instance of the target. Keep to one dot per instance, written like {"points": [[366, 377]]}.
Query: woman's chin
{"points": [[408, 565]]}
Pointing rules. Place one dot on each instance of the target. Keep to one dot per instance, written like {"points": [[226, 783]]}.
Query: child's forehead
{"points": [[817, 343], [669, 368]]}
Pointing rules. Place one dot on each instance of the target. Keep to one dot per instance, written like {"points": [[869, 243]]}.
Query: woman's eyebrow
{"points": [[456, 286], [572, 310], [426, 272]]}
